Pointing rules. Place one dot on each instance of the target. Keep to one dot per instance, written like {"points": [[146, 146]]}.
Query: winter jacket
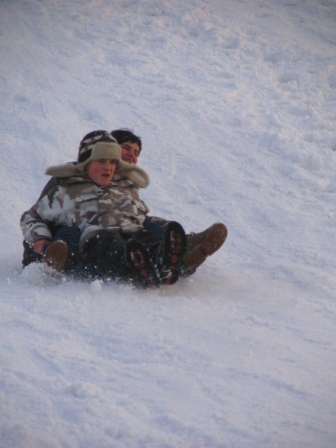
{"points": [[78, 202]]}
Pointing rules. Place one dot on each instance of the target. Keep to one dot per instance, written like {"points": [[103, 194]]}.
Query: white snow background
{"points": [[235, 101]]}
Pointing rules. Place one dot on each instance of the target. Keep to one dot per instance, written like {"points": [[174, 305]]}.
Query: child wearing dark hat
{"points": [[199, 245], [108, 217]]}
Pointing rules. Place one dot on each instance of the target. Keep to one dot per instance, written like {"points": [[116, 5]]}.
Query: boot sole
{"points": [[56, 255], [140, 265]]}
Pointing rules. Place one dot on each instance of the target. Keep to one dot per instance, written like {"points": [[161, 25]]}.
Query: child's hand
{"points": [[40, 246]]}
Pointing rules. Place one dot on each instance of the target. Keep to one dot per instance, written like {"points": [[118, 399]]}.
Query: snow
{"points": [[235, 102]]}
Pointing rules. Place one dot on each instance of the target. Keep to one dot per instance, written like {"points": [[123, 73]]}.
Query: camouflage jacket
{"points": [[78, 202]]}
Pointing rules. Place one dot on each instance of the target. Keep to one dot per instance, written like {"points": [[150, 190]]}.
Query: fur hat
{"points": [[100, 145], [88, 147]]}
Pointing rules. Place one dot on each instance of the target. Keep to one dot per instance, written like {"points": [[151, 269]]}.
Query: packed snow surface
{"points": [[235, 102]]}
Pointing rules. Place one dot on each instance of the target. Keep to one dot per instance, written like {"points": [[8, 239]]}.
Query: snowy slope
{"points": [[235, 102]]}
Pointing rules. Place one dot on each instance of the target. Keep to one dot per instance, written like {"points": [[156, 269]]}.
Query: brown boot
{"points": [[201, 245], [56, 255]]}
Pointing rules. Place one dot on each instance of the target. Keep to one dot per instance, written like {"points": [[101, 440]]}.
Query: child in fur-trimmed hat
{"points": [[109, 217], [100, 145]]}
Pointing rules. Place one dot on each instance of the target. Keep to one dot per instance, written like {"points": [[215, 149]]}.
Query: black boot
{"points": [[139, 263], [171, 253]]}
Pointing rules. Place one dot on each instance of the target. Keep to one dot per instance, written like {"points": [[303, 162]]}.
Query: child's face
{"points": [[130, 152], [101, 171]]}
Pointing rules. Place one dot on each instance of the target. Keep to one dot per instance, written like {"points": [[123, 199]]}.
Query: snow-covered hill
{"points": [[235, 102]]}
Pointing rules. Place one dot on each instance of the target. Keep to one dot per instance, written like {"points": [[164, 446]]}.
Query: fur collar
{"points": [[133, 172]]}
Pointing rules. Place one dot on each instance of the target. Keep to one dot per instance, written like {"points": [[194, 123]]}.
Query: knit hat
{"points": [[100, 145]]}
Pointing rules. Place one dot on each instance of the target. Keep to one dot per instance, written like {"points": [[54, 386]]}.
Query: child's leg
{"points": [[155, 226], [105, 253], [166, 247], [70, 236], [119, 260]]}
